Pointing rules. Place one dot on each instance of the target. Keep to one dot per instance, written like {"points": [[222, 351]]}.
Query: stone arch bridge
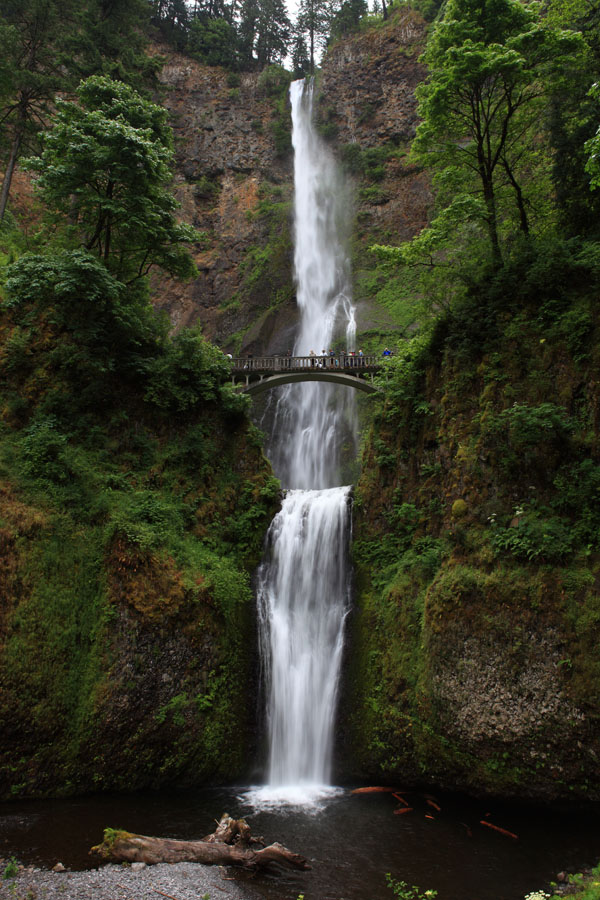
{"points": [[257, 374]]}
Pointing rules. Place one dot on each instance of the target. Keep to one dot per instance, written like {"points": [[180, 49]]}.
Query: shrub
{"points": [[189, 370], [536, 538], [274, 81], [45, 453]]}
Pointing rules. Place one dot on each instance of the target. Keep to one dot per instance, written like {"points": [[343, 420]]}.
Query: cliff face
{"points": [[234, 180], [235, 188], [368, 109], [474, 662], [125, 659]]}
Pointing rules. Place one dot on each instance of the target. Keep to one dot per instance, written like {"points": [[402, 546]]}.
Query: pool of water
{"points": [[351, 840]]}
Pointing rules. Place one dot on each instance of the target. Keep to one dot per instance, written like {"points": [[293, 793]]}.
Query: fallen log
{"points": [[231, 844]]}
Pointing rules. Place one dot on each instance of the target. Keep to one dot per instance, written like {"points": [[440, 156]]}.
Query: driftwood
{"points": [[231, 844], [500, 830]]}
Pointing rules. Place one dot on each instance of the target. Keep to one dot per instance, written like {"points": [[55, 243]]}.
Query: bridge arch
{"points": [[272, 381]]}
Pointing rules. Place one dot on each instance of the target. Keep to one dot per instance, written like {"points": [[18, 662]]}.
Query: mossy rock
{"points": [[459, 509]]}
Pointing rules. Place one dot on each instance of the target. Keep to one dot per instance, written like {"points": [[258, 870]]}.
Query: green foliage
{"points": [[525, 438], [368, 162], [213, 42], [578, 496], [100, 326], [275, 81], [45, 455], [347, 19], [106, 167], [404, 891], [189, 371], [11, 869], [527, 426], [490, 76], [402, 374], [146, 518], [538, 537]]}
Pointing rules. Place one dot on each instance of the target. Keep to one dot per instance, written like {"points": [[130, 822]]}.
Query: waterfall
{"points": [[314, 420], [303, 581]]}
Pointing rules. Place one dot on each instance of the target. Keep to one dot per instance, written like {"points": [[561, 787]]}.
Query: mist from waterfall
{"points": [[303, 582]]}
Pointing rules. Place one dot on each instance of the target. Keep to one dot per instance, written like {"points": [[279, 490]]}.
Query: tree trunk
{"points": [[10, 168], [524, 223], [231, 845]]}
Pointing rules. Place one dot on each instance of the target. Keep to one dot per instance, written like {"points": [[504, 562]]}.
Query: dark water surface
{"points": [[351, 842]]}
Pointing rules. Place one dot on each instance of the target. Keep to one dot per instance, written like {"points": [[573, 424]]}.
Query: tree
{"points": [[264, 32], [592, 148], [492, 64], [106, 167], [300, 57], [247, 31], [213, 41], [574, 117], [111, 41], [272, 33], [313, 22], [172, 18], [32, 37], [347, 19]]}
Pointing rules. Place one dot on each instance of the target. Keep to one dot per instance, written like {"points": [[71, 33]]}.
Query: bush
{"points": [[44, 453], [578, 495], [275, 81], [188, 370], [536, 538], [526, 437]]}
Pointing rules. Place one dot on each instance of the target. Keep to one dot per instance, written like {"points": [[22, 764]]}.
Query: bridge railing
{"points": [[341, 362]]}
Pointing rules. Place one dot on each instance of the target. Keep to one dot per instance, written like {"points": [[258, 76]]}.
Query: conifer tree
{"points": [[313, 23]]}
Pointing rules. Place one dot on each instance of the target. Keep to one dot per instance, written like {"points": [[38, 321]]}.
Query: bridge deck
{"points": [[261, 373], [270, 365]]}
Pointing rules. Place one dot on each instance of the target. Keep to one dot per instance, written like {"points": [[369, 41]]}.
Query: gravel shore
{"points": [[179, 881]]}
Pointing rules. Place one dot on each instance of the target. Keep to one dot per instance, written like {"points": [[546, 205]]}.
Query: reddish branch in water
{"points": [[230, 845], [501, 830], [374, 790]]}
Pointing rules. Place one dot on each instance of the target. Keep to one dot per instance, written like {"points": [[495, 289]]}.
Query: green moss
{"points": [[459, 509], [499, 429]]}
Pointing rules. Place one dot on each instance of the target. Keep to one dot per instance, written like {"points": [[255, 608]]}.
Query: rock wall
{"points": [[228, 170], [236, 189], [473, 658], [368, 105]]}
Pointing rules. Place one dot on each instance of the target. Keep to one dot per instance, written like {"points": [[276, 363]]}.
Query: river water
{"points": [[351, 841]]}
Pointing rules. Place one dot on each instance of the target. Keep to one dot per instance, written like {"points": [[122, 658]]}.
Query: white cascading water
{"points": [[303, 582]]}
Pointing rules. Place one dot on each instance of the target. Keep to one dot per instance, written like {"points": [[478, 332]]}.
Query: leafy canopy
{"points": [[106, 166], [492, 65]]}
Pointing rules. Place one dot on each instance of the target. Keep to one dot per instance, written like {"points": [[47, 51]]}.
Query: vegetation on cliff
{"points": [[134, 492], [477, 539]]}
